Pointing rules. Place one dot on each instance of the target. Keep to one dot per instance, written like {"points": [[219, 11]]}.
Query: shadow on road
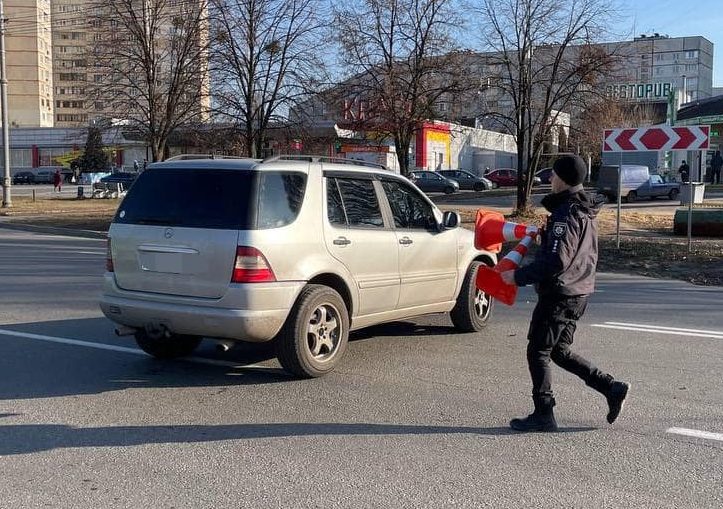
{"points": [[24, 439], [402, 329]]}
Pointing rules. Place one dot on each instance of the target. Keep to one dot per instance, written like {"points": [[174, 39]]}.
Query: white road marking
{"points": [[124, 349], [660, 330], [707, 435]]}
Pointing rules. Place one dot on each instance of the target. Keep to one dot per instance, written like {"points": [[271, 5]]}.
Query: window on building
{"points": [[691, 67], [691, 54]]}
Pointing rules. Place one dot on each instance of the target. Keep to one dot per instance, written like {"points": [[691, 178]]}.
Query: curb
{"points": [[55, 230]]}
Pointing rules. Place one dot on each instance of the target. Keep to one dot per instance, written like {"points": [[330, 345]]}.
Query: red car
{"points": [[507, 177]]}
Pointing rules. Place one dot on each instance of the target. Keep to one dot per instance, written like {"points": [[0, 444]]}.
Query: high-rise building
{"points": [[70, 62], [29, 63]]}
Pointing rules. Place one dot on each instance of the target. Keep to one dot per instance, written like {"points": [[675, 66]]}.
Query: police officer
{"points": [[563, 273]]}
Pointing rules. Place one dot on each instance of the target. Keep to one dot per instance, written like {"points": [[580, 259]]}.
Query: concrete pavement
{"points": [[416, 416]]}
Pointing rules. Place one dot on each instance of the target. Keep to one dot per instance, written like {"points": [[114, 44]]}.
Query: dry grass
{"points": [[88, 214], [647, 247]]}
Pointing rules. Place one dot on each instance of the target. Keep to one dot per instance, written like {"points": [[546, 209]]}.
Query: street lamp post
{"points": [[7, 198]]}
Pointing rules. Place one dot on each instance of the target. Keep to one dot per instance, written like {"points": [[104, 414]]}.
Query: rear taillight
{"points": [[251, 266], [109, 258]]}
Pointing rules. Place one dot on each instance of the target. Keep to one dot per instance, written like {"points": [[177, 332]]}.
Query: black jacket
{"points": [[565, 262]]}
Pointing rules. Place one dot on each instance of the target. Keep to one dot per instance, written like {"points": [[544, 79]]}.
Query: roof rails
{"points": [[187, 157], [325, 159]]}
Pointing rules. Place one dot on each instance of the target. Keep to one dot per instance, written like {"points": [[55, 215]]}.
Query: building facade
{"points": [[29, 63]]}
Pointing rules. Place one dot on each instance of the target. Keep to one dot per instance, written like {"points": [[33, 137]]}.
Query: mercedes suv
{"points": [[300, 251]]}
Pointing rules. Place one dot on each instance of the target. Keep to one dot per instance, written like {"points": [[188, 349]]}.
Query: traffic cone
{"points": [[490, 281], [491, 230]]}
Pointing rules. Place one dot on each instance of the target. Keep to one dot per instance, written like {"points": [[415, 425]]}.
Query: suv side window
{"points": [[409, 209], [358, 200], [334, 205]]}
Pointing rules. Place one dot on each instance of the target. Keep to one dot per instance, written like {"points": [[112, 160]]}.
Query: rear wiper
{"points": [[152, 221]]}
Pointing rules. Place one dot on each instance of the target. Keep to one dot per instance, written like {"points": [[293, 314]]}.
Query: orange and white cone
{"points": [[491, 230], [490, 281]]}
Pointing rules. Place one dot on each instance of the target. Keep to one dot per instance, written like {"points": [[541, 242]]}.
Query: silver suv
{"points": [[300, 251]]}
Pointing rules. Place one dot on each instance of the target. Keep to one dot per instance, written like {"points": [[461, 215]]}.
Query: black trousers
{"points": [[550, 338]]}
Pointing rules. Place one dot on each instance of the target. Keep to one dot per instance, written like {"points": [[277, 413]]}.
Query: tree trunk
{"points": [[401, 145]]}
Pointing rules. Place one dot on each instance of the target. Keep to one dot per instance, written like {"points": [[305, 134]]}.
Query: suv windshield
{"points": [[209, 198]]}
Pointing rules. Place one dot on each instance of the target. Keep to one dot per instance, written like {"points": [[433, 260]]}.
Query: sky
{"points": [[682, 18]]}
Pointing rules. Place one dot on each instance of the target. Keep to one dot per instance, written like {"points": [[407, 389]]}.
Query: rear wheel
{"points": [[315, 335], [673, 194], [473, 309], [164, 346]]}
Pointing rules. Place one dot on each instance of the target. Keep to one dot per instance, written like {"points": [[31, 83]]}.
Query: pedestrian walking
{"points": [[57, 181], [716, 164], [563, 272], [684, 171]]}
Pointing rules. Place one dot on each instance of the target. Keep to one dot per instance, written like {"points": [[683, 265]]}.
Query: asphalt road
{"points": [[416, 416]]}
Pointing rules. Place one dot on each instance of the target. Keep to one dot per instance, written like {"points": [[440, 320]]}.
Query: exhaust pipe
{"points": [[224, 345], [122, 330]]}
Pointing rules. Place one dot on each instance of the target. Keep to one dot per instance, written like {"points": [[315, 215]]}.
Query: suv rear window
{"points": [[218, 199]]}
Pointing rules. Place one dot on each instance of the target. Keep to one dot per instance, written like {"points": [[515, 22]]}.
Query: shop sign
{"points": [[639, 90]]}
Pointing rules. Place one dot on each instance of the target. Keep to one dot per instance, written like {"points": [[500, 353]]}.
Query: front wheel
{"points": [[163, 346], [479, 187], [315, 334], [473, 309], [448, 190], [673, 194], [632, 196]]}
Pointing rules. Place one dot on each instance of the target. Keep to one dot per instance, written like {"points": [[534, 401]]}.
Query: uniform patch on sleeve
{"points": [[559, 229]]}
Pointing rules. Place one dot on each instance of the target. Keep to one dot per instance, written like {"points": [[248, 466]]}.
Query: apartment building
{"points": [[29, 63], [70, 62]]}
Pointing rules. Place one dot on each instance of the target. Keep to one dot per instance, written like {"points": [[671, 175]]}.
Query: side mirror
{"points": [[451, 220]]}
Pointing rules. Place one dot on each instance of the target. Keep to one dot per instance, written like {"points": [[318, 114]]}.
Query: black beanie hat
{"points": [[571, 169]]}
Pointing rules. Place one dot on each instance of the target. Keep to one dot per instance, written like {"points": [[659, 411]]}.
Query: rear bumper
{"points": [[253, 312]]}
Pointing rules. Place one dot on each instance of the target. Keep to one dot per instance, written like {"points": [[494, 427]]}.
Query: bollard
{"points": [[33, 195], [80, 192]]}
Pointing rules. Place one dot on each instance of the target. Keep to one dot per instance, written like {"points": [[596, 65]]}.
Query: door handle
{"points": [[341, 241], [405, 241]]}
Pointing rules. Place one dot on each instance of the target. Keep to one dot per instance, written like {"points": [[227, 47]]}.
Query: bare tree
{"points": [[151, 65], [587, 132], [404, 60], [546, 63], [267, 58]]}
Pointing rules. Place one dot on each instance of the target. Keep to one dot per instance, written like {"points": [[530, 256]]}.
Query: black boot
{"points": [[542, 419], [616, 399]]}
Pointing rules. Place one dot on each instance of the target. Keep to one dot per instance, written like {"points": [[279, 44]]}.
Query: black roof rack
{"points": [[188, 157], [325, 159]]}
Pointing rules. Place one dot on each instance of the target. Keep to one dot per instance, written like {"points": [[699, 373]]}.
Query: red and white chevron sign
{"points": [[663, 137]]}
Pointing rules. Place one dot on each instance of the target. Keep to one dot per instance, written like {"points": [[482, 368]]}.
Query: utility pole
{"points": [[7, 200]]}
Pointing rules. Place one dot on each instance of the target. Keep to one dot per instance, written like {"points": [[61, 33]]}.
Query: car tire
{"points": [[479, 187], [673, 194], [309, 345], [632, 196], [473, 309], [167, 347], [448, 190]]}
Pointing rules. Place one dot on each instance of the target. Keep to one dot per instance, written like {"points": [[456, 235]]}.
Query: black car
{"points": [[23, 177], [544, 174], [431, 181], [467, 180], [121, 177]]}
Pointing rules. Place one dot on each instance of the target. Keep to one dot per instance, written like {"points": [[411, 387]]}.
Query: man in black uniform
{"points": [[563, 273]]}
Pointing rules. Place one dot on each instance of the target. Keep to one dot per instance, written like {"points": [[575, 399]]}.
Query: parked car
{"points": [[633, 177], [432, 181], [44, 176], [299, 251], [544, 175], [121, 177], [508, 177], [23, 177], [467, 180]]}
